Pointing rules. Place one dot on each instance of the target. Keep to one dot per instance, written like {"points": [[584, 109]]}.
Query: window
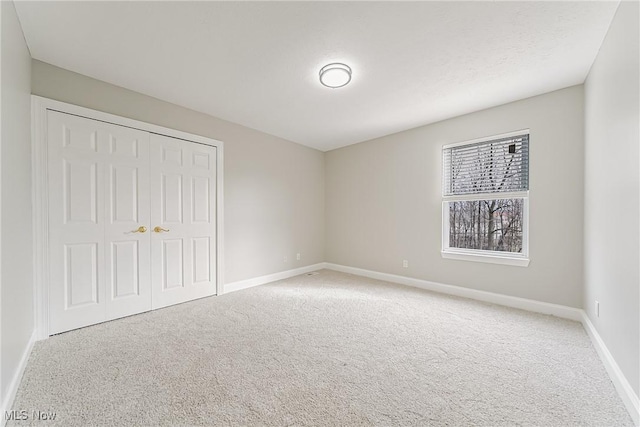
{"points": [[486, 199]]}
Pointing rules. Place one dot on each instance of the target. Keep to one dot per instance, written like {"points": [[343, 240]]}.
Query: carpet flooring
{"points": [[328, 349]]}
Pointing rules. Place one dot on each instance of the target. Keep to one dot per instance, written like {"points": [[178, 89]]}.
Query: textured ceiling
{"points": [[257, 63]]}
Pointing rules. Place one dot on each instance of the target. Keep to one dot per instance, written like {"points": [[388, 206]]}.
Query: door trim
{"points": [[40, 197]]}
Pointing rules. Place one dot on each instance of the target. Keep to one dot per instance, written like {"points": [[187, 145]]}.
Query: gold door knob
{"points": [[159, 229], [141, 229]]}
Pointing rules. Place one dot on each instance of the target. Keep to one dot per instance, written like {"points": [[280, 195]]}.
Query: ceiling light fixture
{"points": [[335, 75]]}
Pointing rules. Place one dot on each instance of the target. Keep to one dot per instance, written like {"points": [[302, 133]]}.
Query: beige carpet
{"points": [[330, 349]]}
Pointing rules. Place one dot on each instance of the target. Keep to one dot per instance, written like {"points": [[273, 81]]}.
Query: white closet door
{"points": [[128, 269], [76, 222], [183, 220], [98, 178]]}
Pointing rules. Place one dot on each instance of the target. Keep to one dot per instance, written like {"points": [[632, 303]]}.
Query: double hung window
{"points": [[486, 199]]}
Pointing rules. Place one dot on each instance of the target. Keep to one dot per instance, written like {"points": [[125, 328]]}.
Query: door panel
{"points": [[172, 264], [125, 269], [201, 191], [124, 188], [183, 188], [80, 178], [124, 145], [201, 259], [172, 198], [77, 138], [81, 274]]}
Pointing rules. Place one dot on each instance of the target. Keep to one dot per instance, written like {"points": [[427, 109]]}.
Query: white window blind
{"points": [[493, 166]]}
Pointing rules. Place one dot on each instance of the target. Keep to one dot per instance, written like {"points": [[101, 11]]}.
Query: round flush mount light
{"points": [[335, 75]]}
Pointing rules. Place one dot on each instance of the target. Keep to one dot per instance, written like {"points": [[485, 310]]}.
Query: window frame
{"points": [[478, 255]]}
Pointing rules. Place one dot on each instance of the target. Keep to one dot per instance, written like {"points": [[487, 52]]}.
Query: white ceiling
{"points": [[257, 64]]}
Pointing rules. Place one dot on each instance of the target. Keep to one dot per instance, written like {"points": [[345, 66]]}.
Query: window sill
{"points": [[491, 259]]}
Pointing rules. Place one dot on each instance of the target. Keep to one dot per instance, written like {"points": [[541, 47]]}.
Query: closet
{"points": [[131, 220]]}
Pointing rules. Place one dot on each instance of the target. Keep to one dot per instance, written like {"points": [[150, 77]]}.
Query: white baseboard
{"points": [[500, 299], [7, 402], [629, 398], [256, 281]]}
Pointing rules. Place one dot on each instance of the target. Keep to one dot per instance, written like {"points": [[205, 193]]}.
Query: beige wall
{"points": [[17, 252], [383, 201], [612, 187], [274, 189]]}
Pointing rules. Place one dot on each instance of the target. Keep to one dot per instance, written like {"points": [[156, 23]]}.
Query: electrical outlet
{"points": [[405, 263], [597, 308], [298, 256], [286, 258]]}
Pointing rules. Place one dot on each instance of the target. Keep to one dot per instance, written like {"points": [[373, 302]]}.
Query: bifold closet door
{"points": [[98, 200], [183, 218]]}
